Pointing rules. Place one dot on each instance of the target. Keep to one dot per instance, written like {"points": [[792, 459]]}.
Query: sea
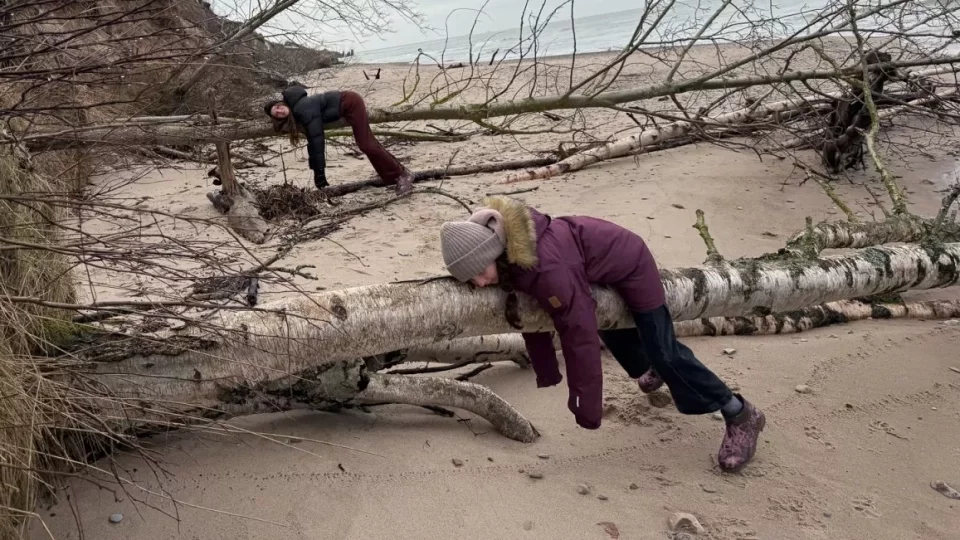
{"points": [[611, 31]]}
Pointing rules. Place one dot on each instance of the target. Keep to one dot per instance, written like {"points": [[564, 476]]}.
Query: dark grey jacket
{"points": [[312, 112]]}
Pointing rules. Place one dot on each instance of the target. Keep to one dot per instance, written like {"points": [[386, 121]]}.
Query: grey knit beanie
{"points": [[470, 246]]}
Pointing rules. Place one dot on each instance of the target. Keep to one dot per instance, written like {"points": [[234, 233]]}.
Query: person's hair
{"points": [[512, 309], [289, 126]]}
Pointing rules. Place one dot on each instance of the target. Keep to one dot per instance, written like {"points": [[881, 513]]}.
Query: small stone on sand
{"points": [[116, 518], [708, 489], [457, 462], [729, 352], [684, 522], [952, 322], [955, 369], [544, 456], [634, 486], [602, 497], [583, 489], [718, 416], [536, 475], [803, 389]]}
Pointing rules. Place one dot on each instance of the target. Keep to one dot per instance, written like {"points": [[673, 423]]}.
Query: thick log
{"points": [[801, 320], [288, 337]]}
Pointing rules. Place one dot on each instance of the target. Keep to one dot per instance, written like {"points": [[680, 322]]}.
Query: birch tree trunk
{"points": [[843, 234], [507, 346], [274, 346]]}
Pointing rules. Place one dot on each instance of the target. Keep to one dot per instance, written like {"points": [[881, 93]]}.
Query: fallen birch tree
{"points": [[303, 351], [509, 347]]}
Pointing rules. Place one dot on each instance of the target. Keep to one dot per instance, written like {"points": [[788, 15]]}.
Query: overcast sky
{"points": [[499, 15]]}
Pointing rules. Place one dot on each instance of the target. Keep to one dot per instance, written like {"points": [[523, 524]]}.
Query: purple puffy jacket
{"points": [[555, 260]]}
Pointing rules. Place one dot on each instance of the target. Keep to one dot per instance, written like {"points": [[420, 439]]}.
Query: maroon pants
{"points": [[354, 112]]}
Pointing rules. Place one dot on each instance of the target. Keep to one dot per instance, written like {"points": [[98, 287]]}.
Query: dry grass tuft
{"points": [[24, 329]]}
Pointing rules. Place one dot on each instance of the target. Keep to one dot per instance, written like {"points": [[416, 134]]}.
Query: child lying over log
{"points": [[556, 260]]}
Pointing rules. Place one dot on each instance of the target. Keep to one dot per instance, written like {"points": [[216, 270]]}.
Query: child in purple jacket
{"points": [[555, 260]]}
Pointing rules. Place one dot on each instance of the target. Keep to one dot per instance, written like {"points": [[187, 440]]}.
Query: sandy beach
{"points": [[854, 459]]}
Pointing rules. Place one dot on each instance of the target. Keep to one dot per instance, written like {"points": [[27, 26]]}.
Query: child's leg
{"points": [[695, 389], [624, 344]]}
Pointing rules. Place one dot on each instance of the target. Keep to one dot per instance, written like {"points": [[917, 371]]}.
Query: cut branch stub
{"points": [[713, 256]]}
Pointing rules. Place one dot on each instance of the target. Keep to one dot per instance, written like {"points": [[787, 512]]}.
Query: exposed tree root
{"points": [[435, 391]]}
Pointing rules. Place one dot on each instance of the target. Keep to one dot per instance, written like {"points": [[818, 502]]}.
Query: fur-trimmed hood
{"points": [[521, 231]]}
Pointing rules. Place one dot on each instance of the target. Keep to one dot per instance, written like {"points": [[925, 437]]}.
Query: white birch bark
{"points": [[802, 320], [285, 338]]}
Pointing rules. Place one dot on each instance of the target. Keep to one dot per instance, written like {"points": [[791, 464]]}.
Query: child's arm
{"points": [[543, 357], [564, 293]]}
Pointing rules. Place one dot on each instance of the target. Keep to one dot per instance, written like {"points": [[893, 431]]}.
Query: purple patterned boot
{"points": [[649, 382], [740, 441]]}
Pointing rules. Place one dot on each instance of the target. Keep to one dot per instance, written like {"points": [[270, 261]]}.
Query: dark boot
{"points": [[740, 441], [649, 382]]}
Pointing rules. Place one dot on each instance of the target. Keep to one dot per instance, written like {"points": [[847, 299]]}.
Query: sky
{"points": [[498, 15], [458, 16]]}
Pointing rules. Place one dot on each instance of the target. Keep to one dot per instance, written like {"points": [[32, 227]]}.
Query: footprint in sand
{"points": [[866, 506]]}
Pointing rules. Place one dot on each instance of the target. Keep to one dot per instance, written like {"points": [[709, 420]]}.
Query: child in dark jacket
{"points": [[556, 260], [297, 111]]}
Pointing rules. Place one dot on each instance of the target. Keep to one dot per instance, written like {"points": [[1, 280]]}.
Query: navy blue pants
{"points": [[695, 389]]}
